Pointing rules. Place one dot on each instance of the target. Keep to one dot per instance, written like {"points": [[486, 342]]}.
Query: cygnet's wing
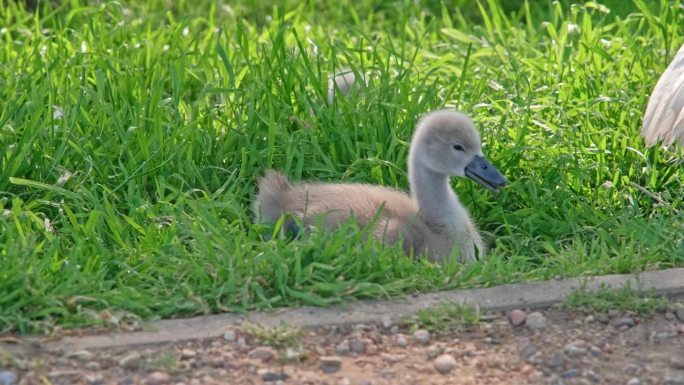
{"points": [[664, 117]]}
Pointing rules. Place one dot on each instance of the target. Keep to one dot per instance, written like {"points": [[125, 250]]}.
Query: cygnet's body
{"points": [[432, 221]]}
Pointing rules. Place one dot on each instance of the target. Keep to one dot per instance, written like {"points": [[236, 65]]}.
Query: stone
{"points": [[670, 316], [357, 345], [393, 358], [555, 360], [8, 378], [269, 376], [421, 336], [292, 354], [528, 351], [330, 364], [81, 355], [674, 377], [93, 366], [571, 373], [371, 348], [263, 353], [386, 322], [595, 351], [187, 354], [401, 341], [536, 321], [435, 350], [241, 344], [634, 381], [157, 378], [590, 318], [445, 363], [130, 361], [516, 317], [623, 321], [344, 381], [677, 362], [612, 313], [680, 314], [573, 350], [593, 376], [230, 336], [343, 347]]}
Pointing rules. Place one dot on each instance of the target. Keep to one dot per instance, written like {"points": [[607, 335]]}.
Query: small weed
{"points": [[443, 319], [164, 361], [279, 337], [643, 303]]}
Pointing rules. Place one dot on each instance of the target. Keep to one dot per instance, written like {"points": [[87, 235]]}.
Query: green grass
{"points": [[643, 303], [132, 133]]}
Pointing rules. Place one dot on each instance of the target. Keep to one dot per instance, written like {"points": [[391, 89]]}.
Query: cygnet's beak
{"points": [[482, 172]]}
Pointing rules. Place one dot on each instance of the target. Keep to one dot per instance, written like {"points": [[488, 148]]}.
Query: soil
{"points": [[572, 348]]}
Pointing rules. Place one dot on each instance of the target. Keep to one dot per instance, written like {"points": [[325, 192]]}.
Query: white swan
{"points": [[432, 221], [664, 117]]}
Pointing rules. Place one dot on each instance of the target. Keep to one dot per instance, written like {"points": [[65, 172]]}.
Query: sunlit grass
{"points": [[131, 136]]}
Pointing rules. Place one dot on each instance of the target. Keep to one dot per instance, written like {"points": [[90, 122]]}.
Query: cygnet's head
{"points": [[448, 143]]}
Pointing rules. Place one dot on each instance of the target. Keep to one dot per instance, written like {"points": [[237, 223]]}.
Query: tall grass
{"points": [[132, 133]]}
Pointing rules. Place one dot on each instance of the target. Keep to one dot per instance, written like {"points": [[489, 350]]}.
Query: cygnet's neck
{"points": [[437, 202]]}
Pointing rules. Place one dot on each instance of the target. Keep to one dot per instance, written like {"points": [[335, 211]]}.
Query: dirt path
{"points": [[552, 347]]}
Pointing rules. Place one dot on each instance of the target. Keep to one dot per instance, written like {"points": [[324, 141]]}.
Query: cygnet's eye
{"points": [[458, 147]]}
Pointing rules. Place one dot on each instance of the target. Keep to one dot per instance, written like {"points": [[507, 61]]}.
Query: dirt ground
{"points": [[554, 347]]}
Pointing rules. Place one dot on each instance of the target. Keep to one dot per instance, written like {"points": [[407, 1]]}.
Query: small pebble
{"points": [[623, 321], [593, 376], [595, 351], [8, 378], [634, 381], [516, 317], [674, 377], [330, 364], [421, 336], [573, 350], [343, 347], [263, 353], [187, 354], [392, 358], [357, 345], [401, 341], [677, 362], [81, 355], [590, 318], [612, 313], [93, 366], [434, 350], [269, 376], [571, 373], [241, 344], [386, 322], [670, 316], [528, 351], [445, 363], [230, 336], [344, 381], [680, 313], [157, 378], [130, 361], [557, 359], [536, 321]]}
